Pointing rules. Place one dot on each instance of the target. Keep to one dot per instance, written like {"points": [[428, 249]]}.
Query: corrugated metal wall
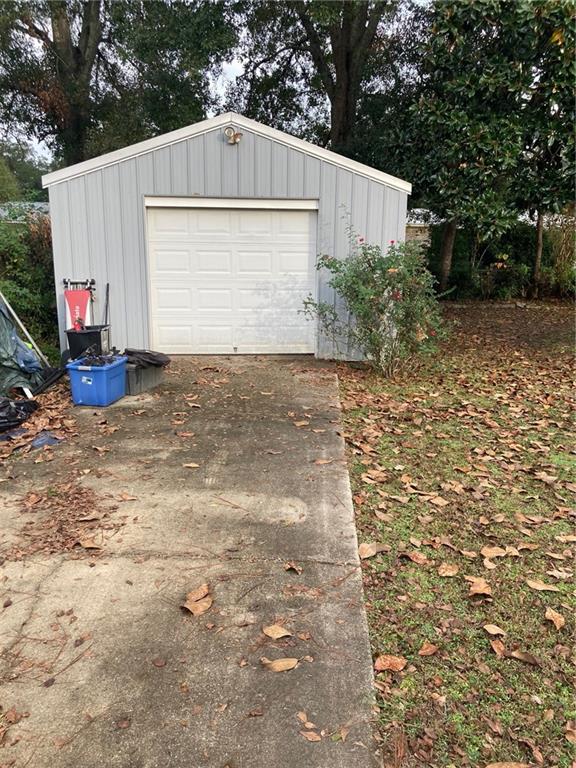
{"points": [[98, 219]]}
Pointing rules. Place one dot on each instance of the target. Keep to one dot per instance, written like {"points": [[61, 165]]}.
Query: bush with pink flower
{"points": [[390, 296]]}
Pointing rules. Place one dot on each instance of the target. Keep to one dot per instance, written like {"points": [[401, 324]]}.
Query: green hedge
{"points": [[27, 278], [514, 252]]}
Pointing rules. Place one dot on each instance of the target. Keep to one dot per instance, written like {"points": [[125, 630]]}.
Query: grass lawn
{"points": [[463, 472]]}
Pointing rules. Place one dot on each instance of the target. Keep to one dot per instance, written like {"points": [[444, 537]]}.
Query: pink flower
{"points": [[392, 242], [360, 240]]}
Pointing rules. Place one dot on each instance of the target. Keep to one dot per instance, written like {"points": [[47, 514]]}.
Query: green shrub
{"points": [[27, 276], [475, 272], [391, 299]]}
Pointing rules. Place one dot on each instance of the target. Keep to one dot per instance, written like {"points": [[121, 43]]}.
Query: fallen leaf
{"points": [[323, 461], [492, 552], [158, 662], [123, 723], [369, 549], [258, 712], [438, 501], [126, 497], [448, 570], [302, 716], [279, 665], [311, 735], [301, 423], [556, 618], [541, 586], [191, 465], [89, 543], [386, 662], [527, 658], [498, 648], [292, 566], [493, 629], [478, 586], [427, 649], [275, 631], [198, 600]]}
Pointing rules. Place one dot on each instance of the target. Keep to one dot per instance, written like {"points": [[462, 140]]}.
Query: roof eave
{"points": [[167, 139]]}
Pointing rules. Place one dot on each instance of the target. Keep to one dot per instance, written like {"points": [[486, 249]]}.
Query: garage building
{"points": [[209, 235]]}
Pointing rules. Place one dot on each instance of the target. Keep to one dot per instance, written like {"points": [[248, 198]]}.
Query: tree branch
{"points": [[315, 47]]}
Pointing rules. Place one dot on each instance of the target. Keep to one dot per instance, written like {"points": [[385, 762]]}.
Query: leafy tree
{"points": [[546, 175], [91, 75], [48, 56], [27, 167], [300, 55], [480, 117], [9, 189]]}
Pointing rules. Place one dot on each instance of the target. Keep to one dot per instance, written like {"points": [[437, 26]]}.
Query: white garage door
{"points": [[228, 281]]}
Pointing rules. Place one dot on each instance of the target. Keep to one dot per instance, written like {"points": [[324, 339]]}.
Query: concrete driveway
{"points": [[100, 665]]}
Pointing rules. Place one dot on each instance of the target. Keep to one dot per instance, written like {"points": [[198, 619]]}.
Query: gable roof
{"points": [[228, 118]]}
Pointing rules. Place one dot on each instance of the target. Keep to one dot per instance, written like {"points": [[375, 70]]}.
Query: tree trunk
{"points": [[341, 64], [448, 237], [538, 256]]}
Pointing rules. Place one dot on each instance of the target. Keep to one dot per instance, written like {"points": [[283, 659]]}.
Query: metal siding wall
{"points": [[97, 239], [113, 229], [60, 225], [132, 256], [98, 220], [179, 166], [196, 175], [247, 167]]}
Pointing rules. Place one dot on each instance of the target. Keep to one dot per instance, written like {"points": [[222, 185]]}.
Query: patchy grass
{"points": [[470, 451]]}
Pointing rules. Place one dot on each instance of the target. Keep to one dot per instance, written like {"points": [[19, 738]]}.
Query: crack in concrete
{"points": [[36, 598]]}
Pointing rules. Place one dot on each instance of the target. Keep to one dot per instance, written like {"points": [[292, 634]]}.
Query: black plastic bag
{"points": [[14, 412], [145, 358]]}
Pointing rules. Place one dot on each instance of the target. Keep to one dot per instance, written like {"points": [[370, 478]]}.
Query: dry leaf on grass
{"points": [[370, 548], [498, 647], [556, 618], [127, 497], [386, 662], [527, 658], [279, 665], [198, 601], [275, 631], [493, 629], [541, 586], [492, 552], [319, 462], [438, 501], [427, 649], [478, 586], [448, 570]]}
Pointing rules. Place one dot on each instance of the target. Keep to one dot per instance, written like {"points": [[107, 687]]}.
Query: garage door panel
{"points": [[173, 298], [226, 281], [253, 262], [214, 299], [257, 223], [172, 262], [210, 262], [212, 221]]}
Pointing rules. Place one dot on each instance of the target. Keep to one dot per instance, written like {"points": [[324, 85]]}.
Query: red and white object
{"points": [[78, 308]]}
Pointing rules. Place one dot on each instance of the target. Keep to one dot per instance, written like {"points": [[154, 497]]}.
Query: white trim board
{"points": [[228, 118], [284, 204]]}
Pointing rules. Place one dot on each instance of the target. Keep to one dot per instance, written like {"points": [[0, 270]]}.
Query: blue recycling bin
{"points": [[97, 384]]}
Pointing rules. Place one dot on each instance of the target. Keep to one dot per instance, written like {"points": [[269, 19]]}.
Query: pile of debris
{"points": [[47, 421], [66, 516]]}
